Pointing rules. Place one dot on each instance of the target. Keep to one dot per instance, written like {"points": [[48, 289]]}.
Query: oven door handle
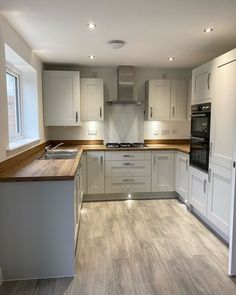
{"points": [[198, 115], [198, 138]]}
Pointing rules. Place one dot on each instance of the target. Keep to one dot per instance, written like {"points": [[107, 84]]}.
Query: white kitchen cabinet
{"points": [[127, 171], [198, 190], [162, 171], [219, 197], [202, 83], [130, 184], [178, 100], [158, 100], [61, 91], [166, 100], [84, 173], [182, 175], [95, 172], [92, 99], [224, 112]]}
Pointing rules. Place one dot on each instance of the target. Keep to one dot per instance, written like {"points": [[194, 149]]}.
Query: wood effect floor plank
{"points": [[146, 247]]}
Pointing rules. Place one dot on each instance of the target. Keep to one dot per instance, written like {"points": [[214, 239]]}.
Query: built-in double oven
{"points": [[200, 136]]}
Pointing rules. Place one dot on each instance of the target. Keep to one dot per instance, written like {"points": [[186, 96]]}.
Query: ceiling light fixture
{"points": [[91, 56], [91, 26], [208, 30], [116, 44], [171, 58]]}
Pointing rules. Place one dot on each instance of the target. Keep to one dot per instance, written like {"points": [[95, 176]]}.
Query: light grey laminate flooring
{"points": [[146, 247]]}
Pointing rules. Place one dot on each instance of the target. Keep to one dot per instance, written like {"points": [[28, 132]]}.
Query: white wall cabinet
{"points": [[162, 171], [182, 175], [198, 190], [158, 100], [178, 100], [61, 98], [92, 99], [95, 172], [219, 197], [202, 83], [166, 100]]}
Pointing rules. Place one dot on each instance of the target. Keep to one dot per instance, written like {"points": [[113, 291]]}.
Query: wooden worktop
{"points": [[31, 169]]}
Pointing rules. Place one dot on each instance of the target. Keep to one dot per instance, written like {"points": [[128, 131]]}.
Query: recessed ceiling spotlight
{"points": [[116, 44], [171, 58], [91, 26], [91, 56], [208, 30]]}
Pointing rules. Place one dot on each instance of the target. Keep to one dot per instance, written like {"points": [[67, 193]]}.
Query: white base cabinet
{"points": [[162, 171], [95, 172], [182, 175], [198, 190], [219, 197], [127, 172]]}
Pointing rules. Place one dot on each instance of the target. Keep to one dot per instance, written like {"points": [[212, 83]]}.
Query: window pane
{"points": [[13, 106]]}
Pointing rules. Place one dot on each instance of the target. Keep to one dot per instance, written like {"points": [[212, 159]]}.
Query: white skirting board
{"points": [[129, 196]]}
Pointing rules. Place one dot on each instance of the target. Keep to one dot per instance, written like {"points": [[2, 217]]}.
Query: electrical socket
{"points": [[165, 132], [92, 132], [156, 132], [174, 131]]}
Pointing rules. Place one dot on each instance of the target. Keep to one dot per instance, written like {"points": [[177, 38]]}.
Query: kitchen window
{"points": [[13, 81]]}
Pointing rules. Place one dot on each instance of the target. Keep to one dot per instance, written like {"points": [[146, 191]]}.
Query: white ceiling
{"points": [[153, 30]]}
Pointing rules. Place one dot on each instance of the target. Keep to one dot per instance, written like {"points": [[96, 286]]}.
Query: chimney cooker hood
{"points": [[125, 87]]}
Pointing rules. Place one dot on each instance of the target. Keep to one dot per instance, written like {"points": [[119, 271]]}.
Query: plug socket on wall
{"points": [[92, 131]]}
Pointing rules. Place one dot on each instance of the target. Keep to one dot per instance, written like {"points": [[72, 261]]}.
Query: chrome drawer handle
{"points": [[128, 156], [128, 180], [128, 164]]}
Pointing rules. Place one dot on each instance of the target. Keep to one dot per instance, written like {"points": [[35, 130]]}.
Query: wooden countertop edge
{"points": [[72, 175]]}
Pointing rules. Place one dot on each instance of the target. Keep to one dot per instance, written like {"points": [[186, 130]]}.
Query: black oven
{"points": [[201, 120], [199, 153], [200, 136]]}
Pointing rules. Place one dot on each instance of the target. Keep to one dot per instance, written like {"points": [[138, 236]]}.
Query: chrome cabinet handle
{"points": [[101, 158], [204, 186], [173, 112], [209, 175], [210, 152], [128, 164], [76, 117], [208, 81], [128, 180], [128, 156], [186, 164], [151, 112], [100, 112], [154, 159]]}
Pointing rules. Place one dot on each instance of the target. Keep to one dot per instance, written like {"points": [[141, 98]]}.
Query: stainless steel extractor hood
{"points": [[125, 87]]}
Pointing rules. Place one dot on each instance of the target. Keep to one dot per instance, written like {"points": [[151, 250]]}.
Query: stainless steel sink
{"points": [[59, 155]]}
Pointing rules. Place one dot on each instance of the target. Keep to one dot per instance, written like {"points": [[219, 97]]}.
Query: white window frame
{"points": [[15, 73]]}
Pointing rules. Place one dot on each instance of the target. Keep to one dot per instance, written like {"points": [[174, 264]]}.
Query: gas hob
{"points": [[125, 145]]}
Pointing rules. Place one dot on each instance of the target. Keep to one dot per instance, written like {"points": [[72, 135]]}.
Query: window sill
{"points": [[22, 143]]}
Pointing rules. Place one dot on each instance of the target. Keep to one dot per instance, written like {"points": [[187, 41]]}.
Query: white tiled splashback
{"points": [[123, 123]]}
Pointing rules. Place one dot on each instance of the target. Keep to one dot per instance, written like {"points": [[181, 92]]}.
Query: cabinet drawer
{"points": [[128, 168], [127, 184], [128, 155]]}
